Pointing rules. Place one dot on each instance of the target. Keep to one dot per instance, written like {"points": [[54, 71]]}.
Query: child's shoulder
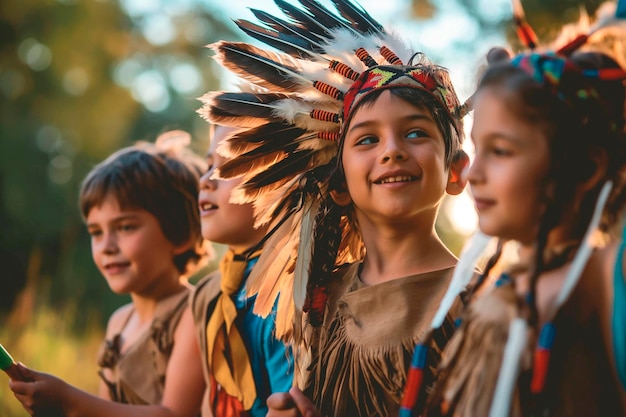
{"points": [[594, 290], [604, 273], [206, 290], [119, 318]]}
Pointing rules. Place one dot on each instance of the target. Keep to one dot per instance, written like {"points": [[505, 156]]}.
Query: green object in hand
{"points": [[8, 365], [6, 361]]}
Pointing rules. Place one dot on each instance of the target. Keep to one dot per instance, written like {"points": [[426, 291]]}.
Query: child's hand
{"points": [[42, 395], [291, 404]]}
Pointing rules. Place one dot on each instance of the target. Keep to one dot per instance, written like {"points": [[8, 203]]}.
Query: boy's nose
{"points": [[109, 244], [394, 151], [474, 172], [207, 182]]}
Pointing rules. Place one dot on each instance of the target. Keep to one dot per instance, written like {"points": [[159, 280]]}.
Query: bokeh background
{"points": [[82, 78]]}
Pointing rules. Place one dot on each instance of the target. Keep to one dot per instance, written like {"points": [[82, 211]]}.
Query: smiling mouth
{"points": [[398, 178], [116, 267], [482, 203], [207, 206]]}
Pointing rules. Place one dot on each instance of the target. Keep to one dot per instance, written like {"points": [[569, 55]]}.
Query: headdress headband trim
{"points": [[384, 77]]}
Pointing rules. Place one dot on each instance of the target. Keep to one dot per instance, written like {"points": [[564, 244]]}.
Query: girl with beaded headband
{"points": [[350, 148], [549, 173]]}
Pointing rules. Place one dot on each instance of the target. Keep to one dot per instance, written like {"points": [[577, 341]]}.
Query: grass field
{"points": [[45, 340]]}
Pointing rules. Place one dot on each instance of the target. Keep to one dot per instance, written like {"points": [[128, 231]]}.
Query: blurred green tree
{"points": [[78, 80]]}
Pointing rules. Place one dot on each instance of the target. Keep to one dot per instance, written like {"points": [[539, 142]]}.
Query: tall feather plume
{"points": [[293, 29], [360, 19], [254, 110], [273, 274], [345, 43], [303, 18], [253, 161], [265, 280], [525, 32], [398, 45], [278, 204], [305, 252], [325, 16], [326, 25], [243, 142], [298, 113], [240, 109], [296, 163], [279, 174], [299, 153], [290, 44], [606, 35], [276, 72], [266, 157], [321, 72], [351, 247]]}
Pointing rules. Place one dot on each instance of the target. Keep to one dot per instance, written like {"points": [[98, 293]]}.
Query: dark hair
{"points": [[164, 182]]}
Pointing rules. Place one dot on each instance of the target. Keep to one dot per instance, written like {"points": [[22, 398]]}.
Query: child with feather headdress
{"points": [[549, 173], [352, 142]]}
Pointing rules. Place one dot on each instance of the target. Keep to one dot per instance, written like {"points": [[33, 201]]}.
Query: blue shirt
{"points": [[272, 362]]}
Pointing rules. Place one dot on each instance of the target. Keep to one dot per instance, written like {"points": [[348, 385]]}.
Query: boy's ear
{"points": [[456, 178], [341, 197]]}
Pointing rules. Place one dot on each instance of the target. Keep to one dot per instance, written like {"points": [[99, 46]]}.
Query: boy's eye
{"points": [[94, 232], [501, 151], [416, 134], [367, 140], [126, 227]]}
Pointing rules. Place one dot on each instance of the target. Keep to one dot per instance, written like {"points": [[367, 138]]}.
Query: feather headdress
{"points": [[299, 98]]}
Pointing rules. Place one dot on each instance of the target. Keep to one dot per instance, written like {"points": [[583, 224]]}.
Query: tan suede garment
{"points": [[360, 361], [202, 301], [139, 371]]}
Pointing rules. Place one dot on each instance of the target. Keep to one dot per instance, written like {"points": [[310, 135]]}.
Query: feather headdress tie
{"points": [[299, 96]]}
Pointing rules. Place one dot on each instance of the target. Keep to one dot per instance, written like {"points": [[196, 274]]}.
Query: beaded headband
{"points": [[386, 76], [550, 67]]}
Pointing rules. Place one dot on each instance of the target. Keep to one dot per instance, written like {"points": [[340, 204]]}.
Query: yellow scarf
{"points": [[227, 356]]}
